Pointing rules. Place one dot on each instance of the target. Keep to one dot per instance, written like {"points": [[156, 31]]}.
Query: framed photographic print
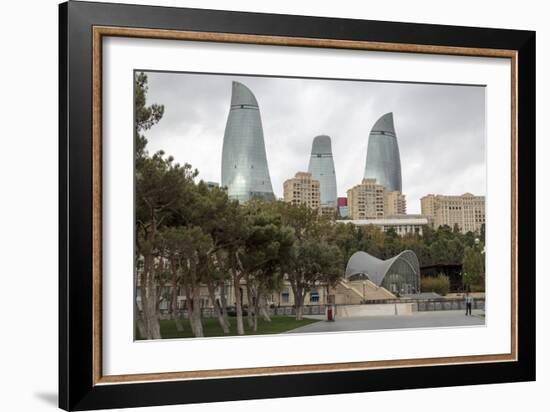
{"points": [[256, 205]]}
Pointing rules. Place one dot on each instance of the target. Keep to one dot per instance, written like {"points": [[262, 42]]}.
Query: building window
{"points": [[285, 296], [314, 296]]}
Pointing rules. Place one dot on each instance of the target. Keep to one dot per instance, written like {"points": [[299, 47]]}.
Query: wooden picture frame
{"points": [[82, 385]]}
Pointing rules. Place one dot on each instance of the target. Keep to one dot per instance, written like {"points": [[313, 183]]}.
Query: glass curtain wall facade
{"points": [[400, 273], [383, 160], [321, 167], [245, 172]]}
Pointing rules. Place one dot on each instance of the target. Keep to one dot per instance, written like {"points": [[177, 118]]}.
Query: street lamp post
{"points": [[364, 287]]}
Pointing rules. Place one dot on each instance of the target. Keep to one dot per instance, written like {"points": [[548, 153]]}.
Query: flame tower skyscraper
{"points": [[321, 167], [245, 173], [383, 160]]}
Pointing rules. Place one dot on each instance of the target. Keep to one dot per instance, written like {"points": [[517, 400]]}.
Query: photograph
{"points": [[292, 205], [258, 205]]}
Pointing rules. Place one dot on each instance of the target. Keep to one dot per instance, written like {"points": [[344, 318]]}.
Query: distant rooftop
{"points": [[390, 220]]}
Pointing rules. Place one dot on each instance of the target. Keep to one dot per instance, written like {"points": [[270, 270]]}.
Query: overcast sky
{"points": [[440, 128]]}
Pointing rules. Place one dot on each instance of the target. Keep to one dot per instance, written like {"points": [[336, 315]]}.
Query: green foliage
{"points": [[473, 267], [145, 116], [439, 284], [311, 258], [313, 262], [156, 179], [267, 245], [477, 288], [441, 246]]}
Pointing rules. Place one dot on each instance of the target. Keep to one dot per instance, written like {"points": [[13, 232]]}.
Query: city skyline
{"points": [[440, 128]]}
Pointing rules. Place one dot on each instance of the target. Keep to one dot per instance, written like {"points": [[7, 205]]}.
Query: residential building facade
{"points": [[394, 203], [466, 211], [366, 200], [302, 189]]}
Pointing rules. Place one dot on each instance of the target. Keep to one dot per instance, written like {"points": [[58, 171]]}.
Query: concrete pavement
{"points": [[436, 319]]}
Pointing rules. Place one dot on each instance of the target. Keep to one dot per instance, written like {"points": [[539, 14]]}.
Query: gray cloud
{"points": [[440, 128]]}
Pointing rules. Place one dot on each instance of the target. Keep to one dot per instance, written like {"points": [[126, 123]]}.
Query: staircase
{"points": [[353, 291]]}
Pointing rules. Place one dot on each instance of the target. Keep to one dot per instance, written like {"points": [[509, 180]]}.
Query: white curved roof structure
{"points": [[400, 273]]}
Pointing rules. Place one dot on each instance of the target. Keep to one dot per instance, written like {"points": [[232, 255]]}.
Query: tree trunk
{"points": [[250, 299], [256, 312], [238, 305], [212, 294], [189, 304], [174, 309], [177, 317], [151, 324], [298, 300], [197, 311], [179, 324], [138, 314], [174, 297], [263, 308], [223, 301], [192, 292], [299, 309]]}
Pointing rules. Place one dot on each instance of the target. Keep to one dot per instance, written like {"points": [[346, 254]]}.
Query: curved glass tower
{"points": [[245, 173], [321, 167], [383, 161]]}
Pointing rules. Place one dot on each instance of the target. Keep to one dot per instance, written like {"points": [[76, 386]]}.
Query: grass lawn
{"points": [[212, 328]]}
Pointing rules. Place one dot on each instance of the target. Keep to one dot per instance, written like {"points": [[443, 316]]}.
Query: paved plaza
{"points": [[449, 318]]}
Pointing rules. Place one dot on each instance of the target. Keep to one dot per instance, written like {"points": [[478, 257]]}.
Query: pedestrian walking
{"points": [[468, 299]]}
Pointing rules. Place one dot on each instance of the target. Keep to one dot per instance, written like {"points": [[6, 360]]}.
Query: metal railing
{"points": [[419, 305]]}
